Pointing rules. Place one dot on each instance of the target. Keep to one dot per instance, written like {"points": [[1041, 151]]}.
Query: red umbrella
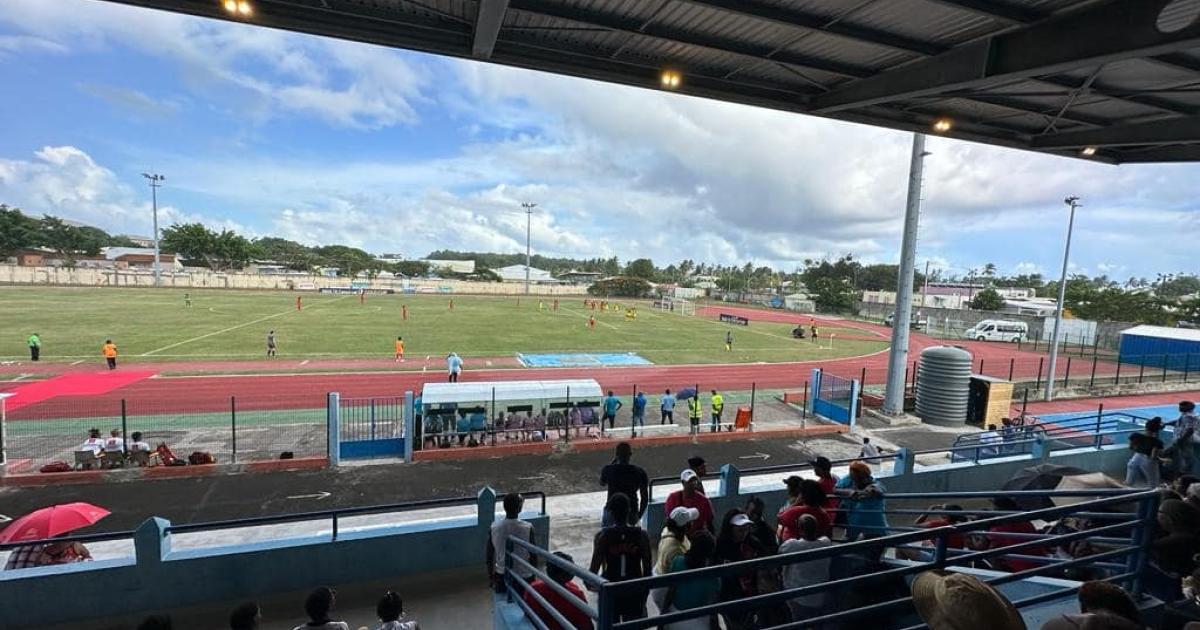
{"points": [[52, 521]]}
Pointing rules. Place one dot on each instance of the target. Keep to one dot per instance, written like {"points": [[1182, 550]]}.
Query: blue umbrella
{"points": [[686, 393]]}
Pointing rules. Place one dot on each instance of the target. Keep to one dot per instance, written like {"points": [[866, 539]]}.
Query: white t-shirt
{"points": [[135, 447], [399, 625], [114, 445], [92, 444], [329, 625], [501, 530], [869, 451], [806, 573]]}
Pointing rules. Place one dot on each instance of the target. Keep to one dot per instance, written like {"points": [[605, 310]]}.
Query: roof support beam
{"points": [[1106, 32], [1168, 131], [1177, 153], [1006, 13], [487, 27]]}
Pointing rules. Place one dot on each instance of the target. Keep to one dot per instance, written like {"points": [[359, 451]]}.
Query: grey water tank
{"points": [[943, 385]]}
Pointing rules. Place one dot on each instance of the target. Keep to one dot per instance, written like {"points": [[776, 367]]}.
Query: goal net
{"points": [[679, 306]]}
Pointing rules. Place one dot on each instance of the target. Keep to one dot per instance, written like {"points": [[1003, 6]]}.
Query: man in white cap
{"points": [[674, 540], [692, 496]]}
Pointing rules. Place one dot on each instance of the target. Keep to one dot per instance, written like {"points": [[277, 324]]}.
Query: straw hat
{"points": [[958, 601]]}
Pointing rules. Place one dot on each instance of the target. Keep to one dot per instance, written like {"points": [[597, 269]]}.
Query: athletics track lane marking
{"points": [[232, 328]]}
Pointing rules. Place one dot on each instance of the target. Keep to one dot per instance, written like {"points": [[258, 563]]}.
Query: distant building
{"points": [[138, 258], [140, 241], [516, 273], [390, 258], [580, 277], [957, 295], [452, 266], [799, 302]]}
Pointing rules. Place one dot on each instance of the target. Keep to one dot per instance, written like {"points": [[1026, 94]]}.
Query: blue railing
{"points": [[1127, 538], [1091, 429]]}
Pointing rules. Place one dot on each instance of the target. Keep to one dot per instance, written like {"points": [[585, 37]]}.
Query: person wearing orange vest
{"points": [[110, 353], [399, 348]]}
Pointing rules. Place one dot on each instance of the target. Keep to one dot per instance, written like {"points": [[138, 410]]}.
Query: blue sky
{"points": [[324, 141]]}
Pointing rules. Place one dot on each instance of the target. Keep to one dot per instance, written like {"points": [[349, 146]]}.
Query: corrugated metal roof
{"points": [[1163, 332]]}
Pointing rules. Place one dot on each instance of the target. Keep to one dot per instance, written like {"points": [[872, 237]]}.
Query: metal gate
{"points": [[834, 397], [371, 427]]}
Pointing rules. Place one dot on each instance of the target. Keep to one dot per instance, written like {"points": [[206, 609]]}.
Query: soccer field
{"points": [[154, 324]]}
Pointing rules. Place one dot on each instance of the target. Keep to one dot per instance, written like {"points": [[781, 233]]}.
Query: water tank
{"points": [[944, 385]]}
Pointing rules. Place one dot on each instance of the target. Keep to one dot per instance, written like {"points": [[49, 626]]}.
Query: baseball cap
{"points": [[684, 515], [740, 520], [821, 462], [687, 475], [793, 480]]}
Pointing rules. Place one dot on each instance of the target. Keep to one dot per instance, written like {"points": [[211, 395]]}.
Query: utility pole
{"points": [[528, 219], [925, 286], [155, 181], [893, 401], [1073, 202]]}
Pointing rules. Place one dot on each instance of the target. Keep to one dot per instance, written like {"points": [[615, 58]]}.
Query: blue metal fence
{"points": [[371, 427], [834, 397]]}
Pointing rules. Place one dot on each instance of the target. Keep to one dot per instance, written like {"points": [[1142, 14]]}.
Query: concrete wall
{"points": [[158, 578], [203, 278]]}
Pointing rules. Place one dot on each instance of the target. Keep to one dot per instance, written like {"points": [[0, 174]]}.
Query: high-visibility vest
{"points": [[694, 408], [718, 403]]}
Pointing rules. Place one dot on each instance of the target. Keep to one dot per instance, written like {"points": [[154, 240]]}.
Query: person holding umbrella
{"points": [[46, 523]]}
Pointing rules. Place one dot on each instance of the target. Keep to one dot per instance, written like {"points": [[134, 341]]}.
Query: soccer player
{"points": [[592, 322], [110, 353], [555, 305], [452, 304], [400, 349], [35, 347], [362, 296], [404, 312], [812, 329], [187, 300], [541, 305], [728, 340], [298, 302], [271, 343]]}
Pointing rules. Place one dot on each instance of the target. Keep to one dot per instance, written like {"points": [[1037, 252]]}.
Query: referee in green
{"points": [[35, 347]]}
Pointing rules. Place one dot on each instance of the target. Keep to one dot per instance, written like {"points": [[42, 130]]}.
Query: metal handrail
{"points": [[762, 470], [256, 521]]}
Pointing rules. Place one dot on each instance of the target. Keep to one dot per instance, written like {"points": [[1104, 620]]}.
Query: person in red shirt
{"points": [[692, 496], [928, 520], [571, 612], [808, 499], [996, 538]]}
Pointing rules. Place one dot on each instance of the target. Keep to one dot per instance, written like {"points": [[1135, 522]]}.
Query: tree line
{"points": [[70, 242]]}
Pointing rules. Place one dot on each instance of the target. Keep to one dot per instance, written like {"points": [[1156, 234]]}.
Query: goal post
{"points": [[679, 306]]}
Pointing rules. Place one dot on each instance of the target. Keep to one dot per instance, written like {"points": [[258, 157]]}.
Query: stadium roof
{"points": [[1110, 80]]}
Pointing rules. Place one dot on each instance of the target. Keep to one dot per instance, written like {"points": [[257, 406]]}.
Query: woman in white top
{"points": [[391, 613], [318, 605], [94, 443]]}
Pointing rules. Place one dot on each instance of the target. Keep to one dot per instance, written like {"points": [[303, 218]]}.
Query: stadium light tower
{"points": [[528, 219], [155, 181], [1073, 202]]}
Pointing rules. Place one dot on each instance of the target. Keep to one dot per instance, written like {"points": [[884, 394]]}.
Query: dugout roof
{"points": [[476, 392], [1109, 80]]}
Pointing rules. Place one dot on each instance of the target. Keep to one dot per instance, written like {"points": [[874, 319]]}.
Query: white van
{"points": [[998, 330]]}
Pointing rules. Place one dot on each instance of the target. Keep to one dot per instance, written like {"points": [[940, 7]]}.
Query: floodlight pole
{"points": [[1073, 202], [528, 219], [155, 182], [893, 401]]}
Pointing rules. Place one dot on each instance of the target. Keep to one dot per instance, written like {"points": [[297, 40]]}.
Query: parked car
{"points": [[998, 330], [916, 323]]}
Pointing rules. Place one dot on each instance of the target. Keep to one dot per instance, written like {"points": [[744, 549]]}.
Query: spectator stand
{"points": [[476, 413]]}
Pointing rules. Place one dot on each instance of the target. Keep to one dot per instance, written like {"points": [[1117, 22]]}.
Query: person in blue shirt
{"points": [[639, 412], [863, 500], [611, 405], [454, 365], [667, 405]]}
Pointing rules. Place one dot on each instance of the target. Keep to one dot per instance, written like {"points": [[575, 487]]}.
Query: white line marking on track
{"points": [[232, 328], [304, 362], [78, 362]]}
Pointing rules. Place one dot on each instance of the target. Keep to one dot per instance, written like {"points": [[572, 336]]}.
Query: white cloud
{"points": [[13, 44]]}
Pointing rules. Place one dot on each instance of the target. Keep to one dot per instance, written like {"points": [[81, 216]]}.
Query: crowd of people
{"points": [[319, 607]]}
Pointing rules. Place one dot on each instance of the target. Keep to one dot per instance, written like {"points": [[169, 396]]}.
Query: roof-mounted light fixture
{"points": [[942, 125], [670, 79]]}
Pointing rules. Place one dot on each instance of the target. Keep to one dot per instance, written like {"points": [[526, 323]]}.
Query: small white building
{"points": [[451, 266], [516, 273]]}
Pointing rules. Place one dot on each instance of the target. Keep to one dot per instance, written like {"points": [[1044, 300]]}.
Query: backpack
{"points": [[55, 467], [201, 457]]}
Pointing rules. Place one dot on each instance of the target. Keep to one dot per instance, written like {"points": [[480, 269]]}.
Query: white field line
{"points": [[232, 328], [584, 315], [78, 362]]}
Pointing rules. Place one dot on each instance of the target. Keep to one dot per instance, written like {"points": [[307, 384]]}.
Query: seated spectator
{"points": [[138, 445], [958, 601], [47, 554], [1178, 487], [1101, 605], [433, 427], [809, 572], [690, 496], [318, 606], [587, 415], [248, 616], [114, 446], [808, 500], [478, 421], [497, 546], [539, 426], [929, 520], [156, 622], [577, 617], [575, 419], [1174, 551], [463, 427], [1000, 536], [696, 592], [862, 497], [93, 443], [390, 610], [622, 552], [1192, 495]]}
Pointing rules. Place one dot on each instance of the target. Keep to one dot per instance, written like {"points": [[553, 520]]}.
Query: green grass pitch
{"points": [[154, 324]]}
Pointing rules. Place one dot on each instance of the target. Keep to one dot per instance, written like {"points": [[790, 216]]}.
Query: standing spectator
{"points": [[699, 466], [863, 500], [728, 341], [35, 347], [1101, 605], [825, 477], [454, 363], [611, 405], [579, 620], [622, 552], [958, 601], [695, 592], [110, 353], [318, 606], [807, 573], [271, 343], [666, 405], [622, 477], [690, 496], [1143, 467], [497, 545], [390, 610], [639, 413], [247, 616], [869, 453], [695, 412], [808, 499], [990, 442], [717, 404], [1186, 428]]}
